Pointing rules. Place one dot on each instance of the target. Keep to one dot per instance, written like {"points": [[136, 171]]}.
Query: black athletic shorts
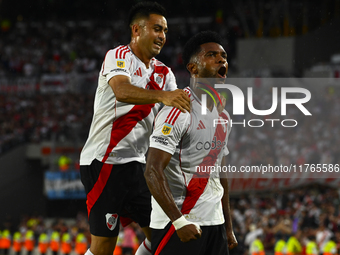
{"points": [[213, 241], [115, 191]]}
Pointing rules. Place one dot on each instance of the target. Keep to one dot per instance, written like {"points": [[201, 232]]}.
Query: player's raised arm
{"points": [[158, 185], [128, 93]]}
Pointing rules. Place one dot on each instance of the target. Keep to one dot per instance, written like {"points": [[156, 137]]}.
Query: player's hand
{"points": [[177, 98], [189, 232], [232, 242]]}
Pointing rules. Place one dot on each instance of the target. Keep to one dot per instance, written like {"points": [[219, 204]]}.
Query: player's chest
{"points": [[206, 133], [147, 78]]}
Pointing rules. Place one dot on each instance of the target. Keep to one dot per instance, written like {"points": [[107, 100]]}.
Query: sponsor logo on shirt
{"points": [[118, 70], [138, 72], [214, 144], [166, 130], [120, 63], [161, 140], [200, 125]]}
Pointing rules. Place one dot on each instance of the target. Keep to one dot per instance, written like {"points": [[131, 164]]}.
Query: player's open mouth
{"points": [[222, 71], [159, 44]]}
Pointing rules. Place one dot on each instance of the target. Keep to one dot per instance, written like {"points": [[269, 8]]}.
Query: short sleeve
{"points": [[170, 84], [116, 62], [170, 126]]}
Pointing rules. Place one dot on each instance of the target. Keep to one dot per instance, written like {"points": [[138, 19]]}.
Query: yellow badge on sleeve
{"points": [[166, 130], [121, 63]]}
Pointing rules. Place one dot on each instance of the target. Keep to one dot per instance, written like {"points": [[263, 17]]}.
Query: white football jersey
{"points": [[120, 132], [195, 145]]}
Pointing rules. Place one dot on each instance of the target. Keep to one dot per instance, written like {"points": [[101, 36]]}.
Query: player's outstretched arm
{"points": [[158, 185], [127, 93], [232, 242]]}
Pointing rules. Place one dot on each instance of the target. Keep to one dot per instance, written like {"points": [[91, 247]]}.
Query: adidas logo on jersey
{"points": [[200, 125], [138, 72]]}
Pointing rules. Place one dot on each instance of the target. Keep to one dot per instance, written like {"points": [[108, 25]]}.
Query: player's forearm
{"points": [[226, 205], [158, 185], [160, 190], [225, 199], [128, 93]]}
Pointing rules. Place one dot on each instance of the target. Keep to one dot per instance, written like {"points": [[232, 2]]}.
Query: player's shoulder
{"points": [[120, 52], [161, 67], [158, 62], [173, 116]]}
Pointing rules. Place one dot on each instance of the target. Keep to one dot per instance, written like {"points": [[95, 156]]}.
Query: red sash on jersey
{"points": [[197, 183], [121, 127]]}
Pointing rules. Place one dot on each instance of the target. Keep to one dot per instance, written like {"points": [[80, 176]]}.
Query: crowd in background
{"points": [[31, 49], [305, 212], [314, 140], [302, 212], [67, 117], [41, 117]]}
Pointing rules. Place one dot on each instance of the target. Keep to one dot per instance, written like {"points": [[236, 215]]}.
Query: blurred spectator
{"points": [[323, 235], [29, 242], [129, 241]]}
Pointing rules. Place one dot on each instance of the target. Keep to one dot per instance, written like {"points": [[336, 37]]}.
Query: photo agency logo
{"points": [[295, 96]]}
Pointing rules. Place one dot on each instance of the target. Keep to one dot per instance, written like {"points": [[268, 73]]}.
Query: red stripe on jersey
{"points": [[170, 118], [122, 51], [165, 240], [202, 124], [177, 112], [126, 51], [118, 50], [223, 115], [167, 120], [196, 186], [188, 91], [98, 187], [161, 70], [122, 126], [200, 180]]}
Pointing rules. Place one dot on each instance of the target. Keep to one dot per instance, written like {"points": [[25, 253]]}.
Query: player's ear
{"points": [[135, 29], [192, 68]]}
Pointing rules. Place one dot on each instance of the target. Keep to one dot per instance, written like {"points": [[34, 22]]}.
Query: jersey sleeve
{"points": [[170, 126], [171, 82], [116, 62]]}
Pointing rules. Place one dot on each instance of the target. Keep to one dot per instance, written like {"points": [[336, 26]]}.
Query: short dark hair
{"points": [[144, 9], [193, 46]]}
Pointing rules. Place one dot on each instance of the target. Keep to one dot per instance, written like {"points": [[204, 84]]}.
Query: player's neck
{"points": [[140, 54], [210, 101]]}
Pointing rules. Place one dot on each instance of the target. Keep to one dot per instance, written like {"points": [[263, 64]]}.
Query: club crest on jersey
{"points": [[120, 63], [158, 78], [111, 220], [166, 130]]}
